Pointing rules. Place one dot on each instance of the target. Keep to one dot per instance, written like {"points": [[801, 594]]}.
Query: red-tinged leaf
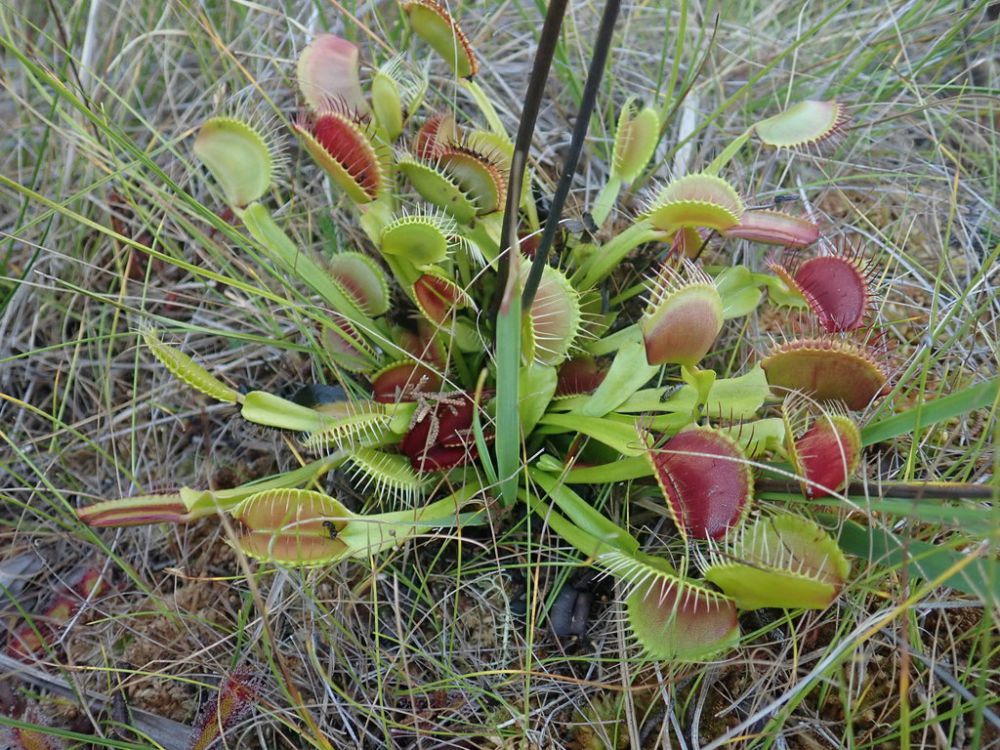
{"points": [[578, 376], [836, 287], [479, 176], [424, 345], [706, 481], [135, 511], [828, 369], [362, 280], [292, 527], [824, 447], [439, 297], [441, 436], [343, 146], [328, 72], [683, 318], [438, 131], [828, 454], [434, 24], [775, 228], [36, 738], [91, 583], [347, 347], [25, 641], [33, 637]]}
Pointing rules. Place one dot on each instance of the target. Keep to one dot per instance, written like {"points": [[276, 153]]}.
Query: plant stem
{"points": [[728, 152], [904, 490], [280, 248], [598, 61], [508, 299], [614, 341], [605, 200], [485, 105]]}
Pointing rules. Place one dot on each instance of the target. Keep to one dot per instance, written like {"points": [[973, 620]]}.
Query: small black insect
{"points": [[331, 529]]}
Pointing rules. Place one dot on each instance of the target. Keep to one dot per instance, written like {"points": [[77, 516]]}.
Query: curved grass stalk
{"points": [[595, 72], [263, 228], [482, 100]]}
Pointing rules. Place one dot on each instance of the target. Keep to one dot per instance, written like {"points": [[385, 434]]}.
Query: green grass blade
{"points": [[968, 399], [923, 559]]}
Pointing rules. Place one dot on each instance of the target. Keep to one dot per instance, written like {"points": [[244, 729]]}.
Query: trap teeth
{"points": [[836, 287], [635, 140], [421, 238], [241, 156], [695, 200], [344, 146], [432, 23], [826, 368], [803, 124], [824, 445]]}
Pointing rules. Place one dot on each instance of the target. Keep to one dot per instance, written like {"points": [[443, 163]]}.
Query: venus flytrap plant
{"points": [[188, 504], [828, 369], [636, 136], [304, 527], [684, 316], [705, 480], [327, 72], [804, 124], [468, 352], [838, 287], [238, 694]]}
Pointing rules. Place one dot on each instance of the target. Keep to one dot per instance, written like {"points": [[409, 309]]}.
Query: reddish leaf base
{"points": [[827, 454], [441, 436], [33, 638], [578, 376]]}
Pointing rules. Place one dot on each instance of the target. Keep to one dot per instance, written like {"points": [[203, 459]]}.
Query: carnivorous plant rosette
{"points": [[408, 373]]}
